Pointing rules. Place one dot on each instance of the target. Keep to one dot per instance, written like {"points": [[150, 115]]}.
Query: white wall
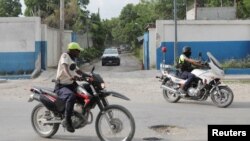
{"points": [[83, 40], [216, 13], [202, 30], [226, 39], [23, 42], [211, 13], [19, 34], [152, 47], [52, 37]]}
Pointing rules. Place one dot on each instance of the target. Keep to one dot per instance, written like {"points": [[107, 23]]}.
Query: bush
{"points": [[89, 54], [138, 52], [237, 63]]}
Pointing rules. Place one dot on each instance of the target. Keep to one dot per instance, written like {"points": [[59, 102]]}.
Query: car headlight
{"points": [[102, 85]]}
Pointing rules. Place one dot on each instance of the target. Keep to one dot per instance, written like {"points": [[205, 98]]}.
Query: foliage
{"points": [[139, 54], [131, 22], [237, 63], [49, 11], [97, 30], [243, 9], [10, 8], [133, 19], [89, 54]]}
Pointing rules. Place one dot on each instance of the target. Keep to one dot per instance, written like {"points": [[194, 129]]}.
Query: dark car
{"points": [[110, 56]]}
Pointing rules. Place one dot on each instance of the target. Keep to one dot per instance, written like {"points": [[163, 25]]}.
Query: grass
{"points": [[237, 63], [236, 81]]}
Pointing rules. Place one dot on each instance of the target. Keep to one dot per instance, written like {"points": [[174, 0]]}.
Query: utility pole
{"points": [[61, 27], [175, 27]]}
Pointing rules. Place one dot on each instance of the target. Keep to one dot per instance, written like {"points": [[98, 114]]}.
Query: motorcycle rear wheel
{"points": [[39, 114], [115, 123], [170, 96], [223, 98]]}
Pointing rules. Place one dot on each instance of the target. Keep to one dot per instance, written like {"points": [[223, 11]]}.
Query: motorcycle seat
{"points": [[49, 91]]}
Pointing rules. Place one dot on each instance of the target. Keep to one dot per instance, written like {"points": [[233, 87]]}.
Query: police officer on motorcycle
{"points": [[185, 64], [67, 74]]}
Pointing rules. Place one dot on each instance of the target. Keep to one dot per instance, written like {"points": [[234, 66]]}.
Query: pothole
{"points": [[167, 129], [152, 139]]}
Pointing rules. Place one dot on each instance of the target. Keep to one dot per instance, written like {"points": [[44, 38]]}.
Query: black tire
{"points": [[35, 123], [170, 96], [116, 124], [224, 98], [103, 63]]}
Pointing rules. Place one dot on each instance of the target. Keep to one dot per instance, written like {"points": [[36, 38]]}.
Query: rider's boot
{"points": [[68, 124], [182, 91]]}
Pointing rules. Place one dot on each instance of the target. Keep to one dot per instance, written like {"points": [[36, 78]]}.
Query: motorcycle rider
{"points": [[67, 73], [185, 65]]}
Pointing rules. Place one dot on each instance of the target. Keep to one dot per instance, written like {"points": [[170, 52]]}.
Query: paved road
{"points": [[184, 121]]}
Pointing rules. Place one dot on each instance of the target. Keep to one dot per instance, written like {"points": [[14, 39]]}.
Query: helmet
{"points": [[187, 51], [74, 45]]}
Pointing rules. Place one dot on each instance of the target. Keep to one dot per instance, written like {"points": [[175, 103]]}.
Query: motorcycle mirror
{"points": [[72, 67], [93, 69]]}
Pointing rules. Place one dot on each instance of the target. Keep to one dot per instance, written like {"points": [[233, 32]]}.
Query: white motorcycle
{"points": [[206, 83]]}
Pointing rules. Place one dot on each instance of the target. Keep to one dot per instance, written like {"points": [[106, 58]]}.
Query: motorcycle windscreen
{"points": [[215, 65]]}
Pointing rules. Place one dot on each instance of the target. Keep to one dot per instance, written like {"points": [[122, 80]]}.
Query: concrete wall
{"points": [[85, 40], [28, 46], [211, 13], [152, 47], [51, 36], [225, 39], [216, 13], [18, 38]]}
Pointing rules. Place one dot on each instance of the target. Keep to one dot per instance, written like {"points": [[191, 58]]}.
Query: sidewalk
{"points": [[237, 77], [2, 80]]}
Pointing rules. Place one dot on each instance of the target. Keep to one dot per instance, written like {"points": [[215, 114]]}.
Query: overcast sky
{"points": [[108, 8]]}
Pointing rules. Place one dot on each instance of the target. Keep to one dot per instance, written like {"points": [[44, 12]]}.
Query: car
{"points": [[111, 56], [119, 50]]}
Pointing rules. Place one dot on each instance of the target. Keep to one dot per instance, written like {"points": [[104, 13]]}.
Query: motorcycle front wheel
{"points": [[115, 123], [41, 114], [223, 97]]}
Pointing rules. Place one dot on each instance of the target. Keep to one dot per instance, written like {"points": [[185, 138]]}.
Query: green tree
{"points": [[243, 9], [49, 11], [97, 30], [10, 8]]}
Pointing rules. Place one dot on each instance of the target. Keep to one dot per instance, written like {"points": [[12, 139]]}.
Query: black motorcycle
{"points": [[113, 122]]}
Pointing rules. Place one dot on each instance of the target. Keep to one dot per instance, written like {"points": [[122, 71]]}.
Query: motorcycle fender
{"points": [[116, 94], [220, 85], [165, 80]]}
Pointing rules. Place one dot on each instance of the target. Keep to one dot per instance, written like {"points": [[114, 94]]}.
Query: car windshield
{"points": [[110, 51]]}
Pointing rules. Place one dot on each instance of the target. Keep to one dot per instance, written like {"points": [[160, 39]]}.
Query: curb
{"points": [[236, 78], [3, 80]]}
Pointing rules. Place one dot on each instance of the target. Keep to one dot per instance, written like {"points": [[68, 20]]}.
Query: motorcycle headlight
{"points": [[102, 85]]}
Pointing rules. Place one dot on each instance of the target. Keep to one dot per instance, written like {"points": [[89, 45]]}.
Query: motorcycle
{"points": [[206, 83], [113, 122]]}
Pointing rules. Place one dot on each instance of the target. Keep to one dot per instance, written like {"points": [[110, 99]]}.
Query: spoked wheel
{"points": [[115, 123], [170, 96], [223, 97], [39, 116]]}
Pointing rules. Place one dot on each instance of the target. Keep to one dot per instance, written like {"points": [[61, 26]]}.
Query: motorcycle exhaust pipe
{"points": [[34, 97], [168, 88]]}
